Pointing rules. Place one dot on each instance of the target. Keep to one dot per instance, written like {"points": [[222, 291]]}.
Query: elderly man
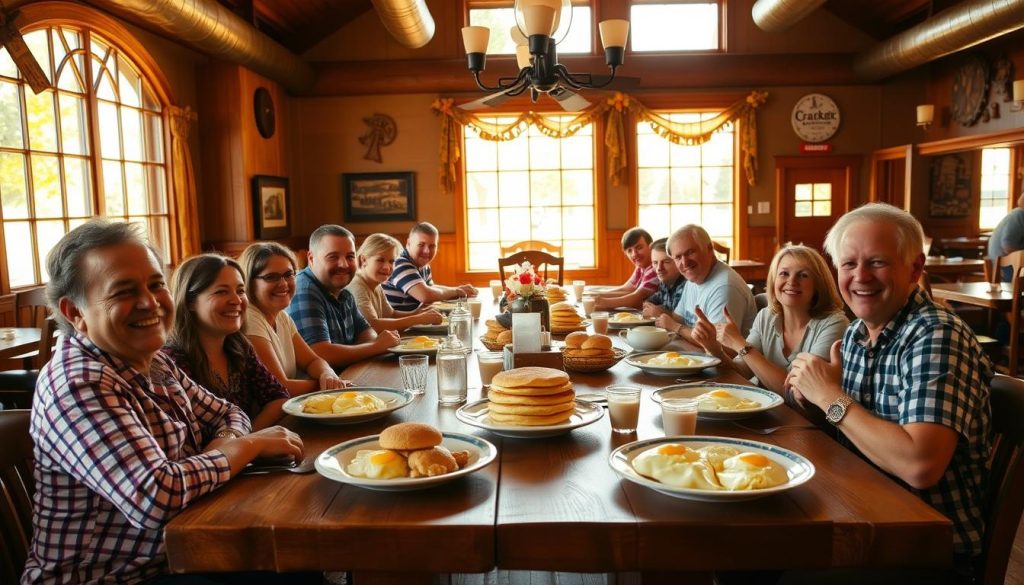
{"points": [[636, 245], [324, 312], [123, 440], [670, 282], [411, 284], [910, 387], [710, 284], [1008, 236]]}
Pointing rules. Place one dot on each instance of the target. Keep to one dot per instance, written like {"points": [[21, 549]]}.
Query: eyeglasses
{"points": [[275, 277]]}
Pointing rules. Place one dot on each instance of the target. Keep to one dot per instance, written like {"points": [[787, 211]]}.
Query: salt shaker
{"points": [[460, 324], [452, 371]]}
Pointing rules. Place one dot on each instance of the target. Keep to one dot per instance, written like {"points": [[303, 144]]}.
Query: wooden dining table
{"points": [[555, 504], [955, 268], [20, 340], [980, 294]]}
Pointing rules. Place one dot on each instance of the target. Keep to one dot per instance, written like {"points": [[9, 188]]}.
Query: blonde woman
{"points": [[269, 271], [375, 261], [804, 314]]}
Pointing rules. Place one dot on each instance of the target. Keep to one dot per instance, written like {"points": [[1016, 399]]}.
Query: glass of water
{"points": [[414, 372]]}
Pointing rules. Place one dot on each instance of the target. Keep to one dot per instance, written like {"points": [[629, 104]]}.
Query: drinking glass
{"points": [[577, 288], [624, 407], [474, 307], [679, 416], [588, 305], [490, 362], [600, 322], [414, 372], [496, 288]]}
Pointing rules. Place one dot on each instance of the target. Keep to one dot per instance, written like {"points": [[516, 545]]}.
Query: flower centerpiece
{"points": [[525, 290]]}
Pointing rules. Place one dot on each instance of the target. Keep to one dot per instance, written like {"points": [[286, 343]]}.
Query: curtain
{"points": [[183, 182], [617, 111]]}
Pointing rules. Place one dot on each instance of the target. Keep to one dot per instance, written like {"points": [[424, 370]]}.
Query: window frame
{"points": [[35, 16], [723, 28]]}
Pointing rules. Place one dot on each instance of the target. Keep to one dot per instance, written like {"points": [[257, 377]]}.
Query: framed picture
{"points": [[272, 207], [379, 196], [950, 186]]}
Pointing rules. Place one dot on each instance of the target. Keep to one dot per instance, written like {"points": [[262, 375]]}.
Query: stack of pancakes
{"points": [[496, 334], [555, 294], [531, 396], [580, 344], [564, 319]]}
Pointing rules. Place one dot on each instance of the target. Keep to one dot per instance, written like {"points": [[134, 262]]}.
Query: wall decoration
{"points": [[815, 118], [950, 186], [382, 132], [1002, 78], [271, 206], [970, 90], [263, 112], [379, 196]]}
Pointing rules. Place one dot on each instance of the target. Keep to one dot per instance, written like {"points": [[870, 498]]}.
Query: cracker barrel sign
{"points": [[815, 118]]}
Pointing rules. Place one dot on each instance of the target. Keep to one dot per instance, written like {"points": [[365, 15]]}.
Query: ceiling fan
{"points": [[537, 22]]}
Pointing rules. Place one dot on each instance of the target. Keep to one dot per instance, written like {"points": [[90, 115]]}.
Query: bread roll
{"points": [[575, 340], [532, 376], [430, 462], [597, 342], [409, 436], [593, 352], [504, 337]]}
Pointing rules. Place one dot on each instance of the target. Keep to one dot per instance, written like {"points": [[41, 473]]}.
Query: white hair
{"points": [[909, 234]]}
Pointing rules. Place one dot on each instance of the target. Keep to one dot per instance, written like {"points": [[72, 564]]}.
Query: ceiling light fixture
{"points": [[537, 24]]}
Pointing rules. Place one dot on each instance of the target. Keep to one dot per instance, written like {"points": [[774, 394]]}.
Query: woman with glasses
{"points": [[207, 341], [376, 261], [270, 279]]}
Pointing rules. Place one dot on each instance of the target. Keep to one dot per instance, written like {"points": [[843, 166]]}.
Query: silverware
{"points": [[307, 465], [770, 430]]}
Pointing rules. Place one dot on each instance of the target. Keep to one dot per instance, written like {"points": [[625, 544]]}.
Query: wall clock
{"points": [[970, 90], [815, 117], [263, 110]]}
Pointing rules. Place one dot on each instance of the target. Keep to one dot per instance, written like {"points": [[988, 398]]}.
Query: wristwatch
{"points": [[744, 350], [228, 434], [838, 409]]}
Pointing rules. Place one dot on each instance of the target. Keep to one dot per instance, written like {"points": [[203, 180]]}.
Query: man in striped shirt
{"points": [[124, 441], [636, 245], [412, 283]]}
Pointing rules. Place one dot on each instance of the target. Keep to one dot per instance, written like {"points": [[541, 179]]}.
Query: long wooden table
{"points": [[975, 293], [555, 504], [24, 340]]}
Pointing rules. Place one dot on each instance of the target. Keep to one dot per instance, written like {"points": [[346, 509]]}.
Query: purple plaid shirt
{"points": [[118, 454]]}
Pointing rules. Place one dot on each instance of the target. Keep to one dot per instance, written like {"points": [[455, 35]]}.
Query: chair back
{"points": [[541, 261], [1015, 261], [32, 311], [525, 245], [8, 310], [1005, 498], [16, 488], [761, 300], [721, 250]]}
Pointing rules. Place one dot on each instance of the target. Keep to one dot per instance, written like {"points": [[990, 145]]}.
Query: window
{"points": [[501, 20], [995, 186], [682, 184], [531, 188], [812, 200], [674, 26], [92, 145]]}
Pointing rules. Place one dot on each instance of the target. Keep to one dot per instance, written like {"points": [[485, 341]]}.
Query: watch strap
{"points": [[228, 434], [745, 350]]}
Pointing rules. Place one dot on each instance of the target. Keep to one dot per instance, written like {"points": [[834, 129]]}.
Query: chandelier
{"points": [[538, 22]]}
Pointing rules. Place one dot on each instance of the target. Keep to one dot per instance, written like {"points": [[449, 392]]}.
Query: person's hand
{"points": [[387, 338], [815, 379], [467, 290], [276, 443], [429, 317], [666, 322], [329, 381], [651, 310], [729, 334], [705, 334]]}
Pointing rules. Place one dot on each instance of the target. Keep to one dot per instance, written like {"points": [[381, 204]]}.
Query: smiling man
{"points": [[711, 285], [670, 282], [910, 387], [412, 282], [636, 245], [324, 312]]}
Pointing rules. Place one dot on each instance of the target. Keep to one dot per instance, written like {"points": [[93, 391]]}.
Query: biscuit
{"points": [[430, 462], [504, 337], [597, 342], [575, 340], [532, 410], [409, 436], [496, 396]]}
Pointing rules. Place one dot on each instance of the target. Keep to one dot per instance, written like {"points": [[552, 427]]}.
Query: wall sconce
{"points": [[1018, 96], [926, 115]]}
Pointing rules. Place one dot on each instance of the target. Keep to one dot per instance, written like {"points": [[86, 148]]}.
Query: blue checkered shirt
{"points": [[405, 276], [668, 295], [927, 366], [321, 316]]}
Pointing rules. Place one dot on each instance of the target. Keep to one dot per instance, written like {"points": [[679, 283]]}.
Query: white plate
{"points": [[332, 463], [766, 398], [394, 397], [424, 328], [639, 360], [799, 468], [475, 414], [443, 307], [400, 349], [627, 324]]}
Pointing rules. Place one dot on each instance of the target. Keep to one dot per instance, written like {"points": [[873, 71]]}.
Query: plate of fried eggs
{"points": [[717, 400], [347, 406], [362, 462], [418, 344], [625, 319], [711, 469], [671, 363]]}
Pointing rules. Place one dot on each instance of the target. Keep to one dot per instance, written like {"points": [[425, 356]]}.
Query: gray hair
{"points": [[909, 234], [64, 261], [325, 230], [699, 234]]}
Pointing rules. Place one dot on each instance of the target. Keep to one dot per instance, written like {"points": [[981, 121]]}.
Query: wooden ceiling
{"points": [[300, 24]]}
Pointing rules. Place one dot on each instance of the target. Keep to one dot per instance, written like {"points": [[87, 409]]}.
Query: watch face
{"points": [[815, 118], [835, 412]]}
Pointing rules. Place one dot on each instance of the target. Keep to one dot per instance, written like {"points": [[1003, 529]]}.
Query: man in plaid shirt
{"points": [[670, 282], [123, 440], [909, 388]]}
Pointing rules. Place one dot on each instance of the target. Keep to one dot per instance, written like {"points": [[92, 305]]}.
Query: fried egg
{"points": [[319, 404], [379, 464], [724, 400], [420, 342], [716, 455], [678, 466], [671, 358], [626, 316], [751, 471], [356, 403]]}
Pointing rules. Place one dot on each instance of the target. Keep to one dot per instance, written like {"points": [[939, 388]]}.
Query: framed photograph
{"points": [[272, 207], [379, 196], [950, 186]]}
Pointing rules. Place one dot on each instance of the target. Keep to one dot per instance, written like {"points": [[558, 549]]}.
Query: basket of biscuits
{"points": [[496, 336], [565, 319], [590, 353]]}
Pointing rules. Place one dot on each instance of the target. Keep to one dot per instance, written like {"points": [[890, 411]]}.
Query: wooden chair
{"points": [[721, 250], [16, 489], [761, 300], [541, 261], [1004, 501], [527, 245], [1015, 261], [18, 379]]}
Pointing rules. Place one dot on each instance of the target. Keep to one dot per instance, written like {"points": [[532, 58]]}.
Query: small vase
{"points": [[532, 305]]}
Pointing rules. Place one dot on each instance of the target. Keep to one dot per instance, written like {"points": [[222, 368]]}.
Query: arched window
{"points": [[93, 145]]}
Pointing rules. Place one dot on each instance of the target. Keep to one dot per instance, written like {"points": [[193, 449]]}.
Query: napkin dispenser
{"points": [[526, 348]]}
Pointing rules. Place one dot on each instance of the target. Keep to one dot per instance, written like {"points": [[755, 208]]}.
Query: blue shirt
{"points": [[321, 316], [405, 276], [722, 288], [927, 366], [668, 295]]}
